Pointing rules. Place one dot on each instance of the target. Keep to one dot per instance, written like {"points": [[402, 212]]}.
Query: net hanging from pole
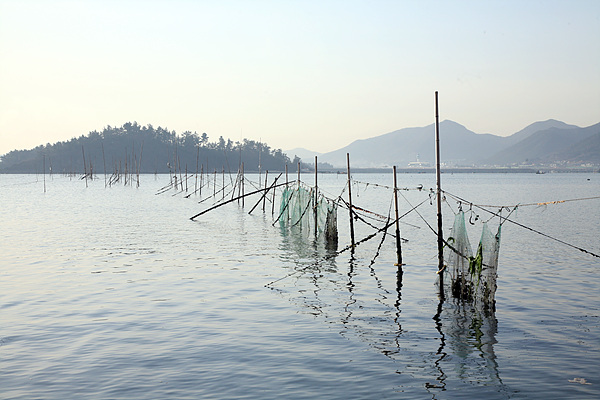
{"points": [[300, 209], [472, 276]]}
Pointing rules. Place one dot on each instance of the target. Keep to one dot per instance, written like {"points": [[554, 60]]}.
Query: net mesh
{"points": [[471, 277], [301, 208]]}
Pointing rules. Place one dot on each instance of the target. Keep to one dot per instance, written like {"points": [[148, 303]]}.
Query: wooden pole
{"points": [[315, 200], [234, 199], [44, 168], [201, 179], [242, 183], [264, 197], [84, 166], [223, 183], [350, 203], [439, 197], [265, 192], [398, 239], [104, 161], [287, 208], [197, 159], [273, 203]]}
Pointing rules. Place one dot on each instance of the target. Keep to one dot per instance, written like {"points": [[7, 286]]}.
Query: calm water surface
{"points": [[113, 293]]}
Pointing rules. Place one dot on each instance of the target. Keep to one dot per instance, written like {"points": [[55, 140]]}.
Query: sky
{"points": [[313, 74]]}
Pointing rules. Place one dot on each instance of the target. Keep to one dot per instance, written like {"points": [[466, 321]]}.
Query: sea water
{"points": [[112, 292]]}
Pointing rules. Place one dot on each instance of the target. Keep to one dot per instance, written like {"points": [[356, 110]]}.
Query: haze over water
{"points": [[115, 293]]}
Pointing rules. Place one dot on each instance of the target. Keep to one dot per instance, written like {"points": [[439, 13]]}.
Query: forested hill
{"points": [[145, 149]]}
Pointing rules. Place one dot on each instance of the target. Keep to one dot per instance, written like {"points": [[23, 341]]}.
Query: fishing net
{"points": [[471, 277], [331, 232], [299, 209]]}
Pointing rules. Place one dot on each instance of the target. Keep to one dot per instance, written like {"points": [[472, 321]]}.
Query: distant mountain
{"points": [[543, 141], [459, 146], [585, 151], [536, 127], [547, 145], [307, 156]]}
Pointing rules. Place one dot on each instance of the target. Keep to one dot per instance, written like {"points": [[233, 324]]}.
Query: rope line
{"points": [[520, 204], [527, 227]]}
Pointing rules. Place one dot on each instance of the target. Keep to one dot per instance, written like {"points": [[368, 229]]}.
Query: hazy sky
{"points": [[314, 74]]}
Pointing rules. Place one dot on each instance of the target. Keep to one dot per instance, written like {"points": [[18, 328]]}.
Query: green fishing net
{"points": [[471, 277], [301, 208]]}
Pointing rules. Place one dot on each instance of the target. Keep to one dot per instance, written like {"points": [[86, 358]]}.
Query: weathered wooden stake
{"points": [[197, 159], [104, 161], [316, 199], [398, 239], [265, 192], [350, 203], [84, 166], [273, 203], [242, 182], [439, 198], [236, 198], [264, 197], [201, 179]]}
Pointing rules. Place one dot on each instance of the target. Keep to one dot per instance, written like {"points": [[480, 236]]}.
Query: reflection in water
{"points": [[369, 312], [466, 351]]}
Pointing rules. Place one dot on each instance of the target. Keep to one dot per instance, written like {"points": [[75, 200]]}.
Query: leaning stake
{"points": [[234, 199]]}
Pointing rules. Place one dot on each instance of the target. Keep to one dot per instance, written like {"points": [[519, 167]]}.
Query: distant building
{"points": [[419, 164]]}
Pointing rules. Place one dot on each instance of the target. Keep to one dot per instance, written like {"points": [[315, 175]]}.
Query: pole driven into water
{"points": [[350, 203], [243, 185], [264, 199], [439, 197], [315, 199], [84, 166], [398, 239], [286, 188]]}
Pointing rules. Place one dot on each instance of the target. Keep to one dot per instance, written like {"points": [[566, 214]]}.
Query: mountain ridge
{"points": [[543, 141]]}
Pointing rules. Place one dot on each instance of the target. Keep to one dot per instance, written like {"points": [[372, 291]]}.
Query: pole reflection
{"points": [[356, 298]]}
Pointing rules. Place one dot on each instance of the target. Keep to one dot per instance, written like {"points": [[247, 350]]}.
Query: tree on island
{"points": [[149, 149]]}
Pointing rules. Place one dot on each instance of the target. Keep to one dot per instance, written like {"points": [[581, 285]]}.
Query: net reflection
{"points": [[466, 351], [457, 349]]}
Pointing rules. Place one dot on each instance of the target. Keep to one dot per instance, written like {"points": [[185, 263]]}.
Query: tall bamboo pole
{"points": [[287, 209], [264, 197], [316, 199], [197, 160], [104, 161], [350, 203], [84, 166], [273, 203], [398, 239], [439, 197], [242, 183]]}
